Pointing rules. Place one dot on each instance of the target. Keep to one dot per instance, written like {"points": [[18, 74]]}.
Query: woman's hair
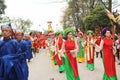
{"points": [[68, 30], [104, 30], [89, 32], [65, 37]]}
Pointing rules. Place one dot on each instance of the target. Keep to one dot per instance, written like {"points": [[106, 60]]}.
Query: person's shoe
{"points": [[28, 60], [61, 71], [51, 78], [118, 63], [91, 69]]}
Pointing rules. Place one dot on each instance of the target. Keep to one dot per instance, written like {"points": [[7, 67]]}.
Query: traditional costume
{"points": [[108, 56], [80, 54], [118, 49], [52, 47], [90, 50], [29, 47], [97, 50], [23, 52], [71, 66], [10, 66], [58, 56]]}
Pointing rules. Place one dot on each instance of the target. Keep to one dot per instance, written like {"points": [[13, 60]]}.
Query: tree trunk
{"points": [[110, 5]]}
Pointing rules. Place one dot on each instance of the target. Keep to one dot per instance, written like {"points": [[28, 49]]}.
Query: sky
{"points": [[116, 5], [38, 11]]}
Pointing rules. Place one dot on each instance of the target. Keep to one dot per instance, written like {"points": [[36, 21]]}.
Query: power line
{"points": [[116, 6], [52, 2]]}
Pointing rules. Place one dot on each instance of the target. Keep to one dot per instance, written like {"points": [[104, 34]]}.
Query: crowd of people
{"points": [[71, 48], [66, 48], [14, 51]]}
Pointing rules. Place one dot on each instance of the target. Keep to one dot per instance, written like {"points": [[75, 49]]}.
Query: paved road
{"points": [[40, 68]]}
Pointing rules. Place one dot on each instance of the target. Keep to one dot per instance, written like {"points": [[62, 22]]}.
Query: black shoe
{"points": [[60, 71], [51, 78], [55, 64], [28, 60], [118, 63]]}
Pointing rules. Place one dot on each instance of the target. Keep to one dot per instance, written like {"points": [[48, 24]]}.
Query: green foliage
{"points": [[77, 9], [67, 18], [97, 17], [2, 7], [78, 14], [18, 23], [23, 24]]}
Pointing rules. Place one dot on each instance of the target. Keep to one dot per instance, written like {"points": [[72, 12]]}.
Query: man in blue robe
{"points": [[29, 46], [23, 52], [10, 67]]}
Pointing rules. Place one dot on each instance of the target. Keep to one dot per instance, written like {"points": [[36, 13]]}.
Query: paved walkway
{"points": [[40, 68]]}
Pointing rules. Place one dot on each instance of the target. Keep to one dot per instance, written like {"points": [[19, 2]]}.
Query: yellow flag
{"points": [[110, 15]]}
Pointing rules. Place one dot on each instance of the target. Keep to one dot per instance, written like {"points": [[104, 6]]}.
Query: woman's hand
{"points": [[73, 53]]}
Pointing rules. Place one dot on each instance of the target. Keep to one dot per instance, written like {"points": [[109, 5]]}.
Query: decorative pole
{"points": [[50, 29]]}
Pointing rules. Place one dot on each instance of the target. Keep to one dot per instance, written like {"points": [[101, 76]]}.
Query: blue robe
{"points": [[10, 67], [23, 51], [8, 46], [29, 45]]}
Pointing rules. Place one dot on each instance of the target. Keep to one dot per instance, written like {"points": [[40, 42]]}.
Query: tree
{"points": [[18, 23], [97, 17], [107, 4], [2, 6], [77, 9], [67, 18], [23, 25]]}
